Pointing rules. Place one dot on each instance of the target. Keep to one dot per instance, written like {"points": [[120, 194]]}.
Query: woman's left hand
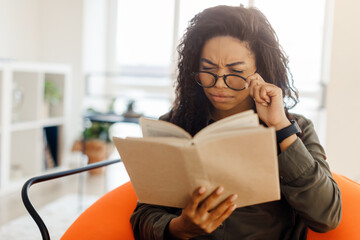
{"points": [[269, 102]]}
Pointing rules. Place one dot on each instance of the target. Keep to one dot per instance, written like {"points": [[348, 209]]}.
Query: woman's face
{"points": [[227, 55]]}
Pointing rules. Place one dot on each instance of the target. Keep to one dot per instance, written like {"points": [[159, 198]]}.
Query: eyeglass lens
{"points": [[208, 80]]}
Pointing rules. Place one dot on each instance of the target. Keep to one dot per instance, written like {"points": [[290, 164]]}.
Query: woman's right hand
{"points": [[201, 217]]}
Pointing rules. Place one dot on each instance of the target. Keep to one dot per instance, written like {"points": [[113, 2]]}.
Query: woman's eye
{"points": [[207, 68], [237, 71]]}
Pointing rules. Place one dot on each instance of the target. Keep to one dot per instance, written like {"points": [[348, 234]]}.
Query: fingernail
{"points": [[219, 190], [264, 104], [268, 101], [246, 85], [202, 190], [233, 197], [233, 207]]}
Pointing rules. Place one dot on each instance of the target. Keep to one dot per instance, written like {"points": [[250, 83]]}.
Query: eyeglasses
{"points": [[208, 80]]}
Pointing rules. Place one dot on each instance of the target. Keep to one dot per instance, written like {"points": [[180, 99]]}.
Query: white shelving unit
{"points": [[32, 135]]}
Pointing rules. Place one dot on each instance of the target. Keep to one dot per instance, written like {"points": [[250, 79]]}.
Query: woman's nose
{"points": [[220, 80]]}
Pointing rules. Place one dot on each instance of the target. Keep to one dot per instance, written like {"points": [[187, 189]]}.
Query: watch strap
{"points": [[286, 132]]}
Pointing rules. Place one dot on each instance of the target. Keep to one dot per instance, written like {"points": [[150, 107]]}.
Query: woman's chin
{"points": [[224, 107]]}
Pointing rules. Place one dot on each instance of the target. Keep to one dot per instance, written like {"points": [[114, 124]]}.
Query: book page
{"points": [[180, 142], [214, 136], [242, 120], [159, 128], [244, 164]]}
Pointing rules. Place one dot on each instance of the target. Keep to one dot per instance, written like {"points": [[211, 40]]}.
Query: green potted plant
{"points": [[98, 145], [97, 130], [52, 97]]}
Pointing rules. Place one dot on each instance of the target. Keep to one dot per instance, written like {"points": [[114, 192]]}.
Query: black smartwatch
{"points": [[288, 131]]}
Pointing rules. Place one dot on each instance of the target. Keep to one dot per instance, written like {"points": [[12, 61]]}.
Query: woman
{"points": [[230, 61]]}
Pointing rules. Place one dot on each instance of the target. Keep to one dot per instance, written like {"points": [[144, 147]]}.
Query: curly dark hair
{"points": [[191, 107]]}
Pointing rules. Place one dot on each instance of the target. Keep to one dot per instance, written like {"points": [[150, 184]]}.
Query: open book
{"points": [[166, 165]]}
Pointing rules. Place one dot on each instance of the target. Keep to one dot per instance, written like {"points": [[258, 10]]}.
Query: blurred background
{"points": [[61, 60]]}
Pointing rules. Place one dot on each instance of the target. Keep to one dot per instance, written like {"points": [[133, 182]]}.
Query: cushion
{"points": [[108, 218]]}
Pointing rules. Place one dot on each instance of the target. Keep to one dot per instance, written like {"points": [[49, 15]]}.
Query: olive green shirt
{"points": [[310, 198]]}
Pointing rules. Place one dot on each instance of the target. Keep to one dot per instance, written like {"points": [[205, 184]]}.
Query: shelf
{"points": [[24, 153], [25, 96], [23, 126], [38, 67], [28, 127], [53, 122]]}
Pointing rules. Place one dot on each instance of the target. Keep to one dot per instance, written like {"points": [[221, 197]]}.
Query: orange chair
{"points": [[348, 228], [109, 217]]}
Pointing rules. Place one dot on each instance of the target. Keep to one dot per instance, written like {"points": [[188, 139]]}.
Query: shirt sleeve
{"points": [[150, 221], [306, 181]]}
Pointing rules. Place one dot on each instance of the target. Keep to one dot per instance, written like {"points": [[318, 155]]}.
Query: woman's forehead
{"points": [[226, 50]]}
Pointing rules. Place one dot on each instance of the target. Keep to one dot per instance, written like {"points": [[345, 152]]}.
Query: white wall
{"points": [[19, 30], [343, 95], [95, 38], [94, 35]]}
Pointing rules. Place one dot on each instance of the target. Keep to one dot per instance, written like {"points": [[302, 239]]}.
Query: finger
{"points": [[273, 91], [208, 203], [252, 87], [253, 83], [254, 78], [263, 94], [257, 96], [220, 210], [196, 198], [227, 213]]}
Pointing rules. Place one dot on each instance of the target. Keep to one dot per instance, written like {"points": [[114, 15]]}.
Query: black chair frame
{"points": [[25, 190]]}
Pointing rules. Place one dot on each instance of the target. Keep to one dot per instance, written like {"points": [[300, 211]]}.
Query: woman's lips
{"points": [[220, 97]]}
